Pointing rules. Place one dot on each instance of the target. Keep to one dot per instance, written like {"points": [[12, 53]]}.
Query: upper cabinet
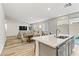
{"points": [[62, 20], [63, 24]]}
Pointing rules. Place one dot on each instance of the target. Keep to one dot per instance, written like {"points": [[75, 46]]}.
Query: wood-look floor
{"points": [[14, 47]]}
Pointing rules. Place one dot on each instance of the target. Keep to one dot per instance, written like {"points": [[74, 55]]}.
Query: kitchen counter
{"points": [[51, 41]]}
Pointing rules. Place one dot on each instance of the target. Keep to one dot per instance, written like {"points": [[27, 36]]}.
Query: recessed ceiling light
{"points": [[49, 9]]}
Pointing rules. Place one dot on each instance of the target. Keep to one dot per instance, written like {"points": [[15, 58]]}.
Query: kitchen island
{"points": [[49, 45]]}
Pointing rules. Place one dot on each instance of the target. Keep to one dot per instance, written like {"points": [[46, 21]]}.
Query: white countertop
{"points": [[50, 40]]}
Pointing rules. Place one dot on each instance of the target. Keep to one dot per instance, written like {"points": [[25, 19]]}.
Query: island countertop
{"points": [[51, 41]]}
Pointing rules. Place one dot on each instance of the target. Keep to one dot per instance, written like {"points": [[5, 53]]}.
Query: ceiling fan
{"points": [[68, 5]]}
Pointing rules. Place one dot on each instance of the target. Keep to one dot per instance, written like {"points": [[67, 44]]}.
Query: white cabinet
{"points": [[70, 46], [70, 49], [63, 50], [66, 48]]}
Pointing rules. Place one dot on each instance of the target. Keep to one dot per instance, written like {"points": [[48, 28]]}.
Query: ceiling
{"points": [[35, 12]]}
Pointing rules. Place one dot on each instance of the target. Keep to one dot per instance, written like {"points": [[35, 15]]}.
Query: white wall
{"points": [[13, 27], [43, 25], [48, 25], [2, 29], [74, 28], [52, 26]]}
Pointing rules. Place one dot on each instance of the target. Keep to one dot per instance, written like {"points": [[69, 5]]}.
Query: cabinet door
{"points": [[69, 49], [66, 49], [70, 46], [72, 42], [63, 50]]}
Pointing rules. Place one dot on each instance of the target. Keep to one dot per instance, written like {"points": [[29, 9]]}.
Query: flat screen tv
{"points": [[22, 27]]}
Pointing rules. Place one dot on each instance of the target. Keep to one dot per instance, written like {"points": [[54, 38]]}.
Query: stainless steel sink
{"points": [[62, 37]]}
